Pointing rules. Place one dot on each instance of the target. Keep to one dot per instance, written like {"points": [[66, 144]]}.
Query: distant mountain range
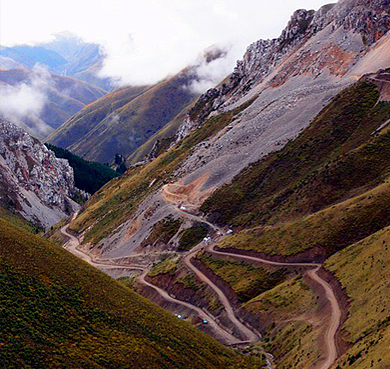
{"points": [[66, 55], [46, 100]]}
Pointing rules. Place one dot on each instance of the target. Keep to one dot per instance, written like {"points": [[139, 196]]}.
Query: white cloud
{"points": [[147, 40], [23, 103]]}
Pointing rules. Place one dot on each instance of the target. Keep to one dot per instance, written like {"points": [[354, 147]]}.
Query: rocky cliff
{"points": [[367, 20], [32, 180]]}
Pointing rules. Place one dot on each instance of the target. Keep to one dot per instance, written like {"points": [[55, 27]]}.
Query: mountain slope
{"points": [[124, 120], [54, 98], [335, 157], [292, 152], [66, 55], [59, 311], [269, 117]]}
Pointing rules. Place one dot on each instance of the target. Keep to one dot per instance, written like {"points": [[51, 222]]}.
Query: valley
{"points": [[245, 334], [214, 217]]}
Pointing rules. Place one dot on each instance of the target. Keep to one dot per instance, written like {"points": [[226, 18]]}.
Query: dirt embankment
{"points": [[313, 255], [342, 336], [175, 289], [152, 295], [242, 314]]}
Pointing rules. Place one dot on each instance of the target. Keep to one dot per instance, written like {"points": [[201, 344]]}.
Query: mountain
{"points": [[66, 55], [33, 182], [246, 124], [284, 166], [30, 55], [46, 99], [58, 311], [122, 121]]}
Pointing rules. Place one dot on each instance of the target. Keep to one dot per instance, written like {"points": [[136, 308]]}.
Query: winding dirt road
{"points": [[72, 246], [334, 320], [250, 336], [330, 352], [227, 336]]}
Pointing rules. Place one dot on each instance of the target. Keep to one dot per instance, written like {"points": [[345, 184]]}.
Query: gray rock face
{"points": [[32, 180]]}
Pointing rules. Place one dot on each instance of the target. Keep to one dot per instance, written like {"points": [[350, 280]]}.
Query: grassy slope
{"points": [[81, 123], [117, 201], [138, 121], [165, 133], [334, 158], [330, 229], [363, 269], [168, 265], [58, 311], [18, 221], [246, 280], [291, 332]]}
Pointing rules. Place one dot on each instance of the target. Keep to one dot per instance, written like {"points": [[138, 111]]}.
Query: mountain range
{"points": [[126, 119], [66, 55], [45, 100], [257, 212]]}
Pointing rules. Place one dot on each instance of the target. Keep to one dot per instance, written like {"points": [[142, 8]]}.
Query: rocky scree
{"points": [[32, 180]]}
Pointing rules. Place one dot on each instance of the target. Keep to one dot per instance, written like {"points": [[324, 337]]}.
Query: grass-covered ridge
{"points": [[169, 265], [334, 158], [18, 221], [363, 270], [329, 230], [89, 176], [246, 280], [291, 330], [123, 121], [57, 311]]}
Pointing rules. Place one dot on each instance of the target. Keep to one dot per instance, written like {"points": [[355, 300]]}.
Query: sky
{"points": [[147, 40]]}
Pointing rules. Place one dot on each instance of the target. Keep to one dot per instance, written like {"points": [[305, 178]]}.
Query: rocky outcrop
{"points": [[32, 180]]}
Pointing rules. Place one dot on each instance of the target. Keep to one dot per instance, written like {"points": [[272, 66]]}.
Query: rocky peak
{"points": [[368, 18], [32, 180]]}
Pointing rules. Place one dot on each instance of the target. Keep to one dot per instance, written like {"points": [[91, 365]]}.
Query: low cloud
{"points": [[160, 38], [23, 103], [146, 41]]}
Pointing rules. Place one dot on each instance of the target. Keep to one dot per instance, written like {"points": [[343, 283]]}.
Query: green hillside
{"points": [[88, 176], [335, 158], [57, 311], [363, 271]]}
